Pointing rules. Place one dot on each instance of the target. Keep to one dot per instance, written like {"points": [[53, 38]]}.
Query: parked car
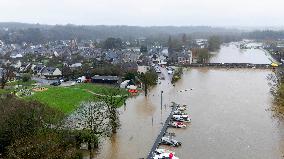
{"points": [[56, 83], [181, 118], [176, 124], [169, 141]]}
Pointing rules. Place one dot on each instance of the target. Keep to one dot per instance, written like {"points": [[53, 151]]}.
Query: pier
{"points": [[162, 133]]}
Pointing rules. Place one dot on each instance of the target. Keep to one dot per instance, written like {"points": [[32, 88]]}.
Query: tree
{"points": [[184, 40], [148, 79], [26, 77], [92, 118], [143, 49], [66, 71], [29, 130], [214, 43], [202, 55], [49, 144], [112, 43], [7, 73]]}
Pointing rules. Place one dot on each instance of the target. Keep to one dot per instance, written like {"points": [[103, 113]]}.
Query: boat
{"points": [[170, 141], [176, 124]]}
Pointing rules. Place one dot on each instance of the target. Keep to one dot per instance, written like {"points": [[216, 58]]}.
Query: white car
{"points": [[181, 119], [160, 151], [179, 113], [181, 116], [181, 108], [165, 156]]}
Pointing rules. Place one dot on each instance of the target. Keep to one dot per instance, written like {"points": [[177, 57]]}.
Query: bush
{"points": [[26, 77]]}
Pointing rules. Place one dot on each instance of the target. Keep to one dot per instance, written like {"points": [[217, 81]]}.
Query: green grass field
{"points": [[64, 99], [67, 99]]}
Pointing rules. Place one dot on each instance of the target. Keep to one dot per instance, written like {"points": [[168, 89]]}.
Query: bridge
{"points": [[162, 133], [232, 65]]}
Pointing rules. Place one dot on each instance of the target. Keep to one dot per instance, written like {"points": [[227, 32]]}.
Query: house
{"points": [[37, 68], [201, 43], [25, 67], [50, 72], [106, 79], [16, 56], [185, 57], [76, 65]]}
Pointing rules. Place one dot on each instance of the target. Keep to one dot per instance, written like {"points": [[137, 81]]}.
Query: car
{"points": [[160, 151], [169, 141], [57, 83], [181, 119], [181, 116], [181, 108], [179, 113], [176, 124], [166, 155]]}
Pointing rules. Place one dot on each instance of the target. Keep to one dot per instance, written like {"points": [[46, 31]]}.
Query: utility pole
{"points": [[162, 99]]}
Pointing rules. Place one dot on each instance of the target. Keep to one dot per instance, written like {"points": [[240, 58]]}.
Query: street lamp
{"points": [[162, 99]]}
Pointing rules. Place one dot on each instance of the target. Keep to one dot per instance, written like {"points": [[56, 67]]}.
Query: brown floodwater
{"points": [[229, 111]]}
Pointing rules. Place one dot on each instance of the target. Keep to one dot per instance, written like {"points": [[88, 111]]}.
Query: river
{"points": [[229, 111]]}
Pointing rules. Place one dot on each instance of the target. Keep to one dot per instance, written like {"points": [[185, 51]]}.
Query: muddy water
{"points": [[232, 54], [229, 118]]}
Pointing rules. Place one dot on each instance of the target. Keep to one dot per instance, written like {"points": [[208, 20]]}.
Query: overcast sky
{"points": [[145, 12]]}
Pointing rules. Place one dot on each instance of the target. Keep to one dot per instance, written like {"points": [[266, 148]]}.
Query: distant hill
{"points": [[37, 33]]}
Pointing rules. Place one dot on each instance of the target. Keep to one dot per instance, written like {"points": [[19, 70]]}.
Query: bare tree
{"points": [[7, 73], [92, 120]]}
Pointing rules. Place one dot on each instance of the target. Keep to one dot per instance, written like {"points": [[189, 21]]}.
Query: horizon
{"points": [[220, 13], [241, 28]]}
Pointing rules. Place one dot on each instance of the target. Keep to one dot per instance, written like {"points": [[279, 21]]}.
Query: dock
{"points": [[162, 133]]}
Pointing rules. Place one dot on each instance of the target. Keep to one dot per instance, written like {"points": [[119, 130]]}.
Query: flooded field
{"points": [[229, 117]]}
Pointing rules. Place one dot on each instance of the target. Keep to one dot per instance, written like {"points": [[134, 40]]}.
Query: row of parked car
{"points": [[179, 120]]}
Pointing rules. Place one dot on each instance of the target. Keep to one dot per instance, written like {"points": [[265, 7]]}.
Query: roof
{"points": [[108, 78], [1, 71], [48, 70]]}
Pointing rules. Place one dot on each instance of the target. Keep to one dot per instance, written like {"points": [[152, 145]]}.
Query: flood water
{"points": [[229, 115], [233, 54]]}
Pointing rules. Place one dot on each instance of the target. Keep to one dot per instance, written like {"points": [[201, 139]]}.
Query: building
{"points": [[50, 72], [106, 79], [185, 57]]}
